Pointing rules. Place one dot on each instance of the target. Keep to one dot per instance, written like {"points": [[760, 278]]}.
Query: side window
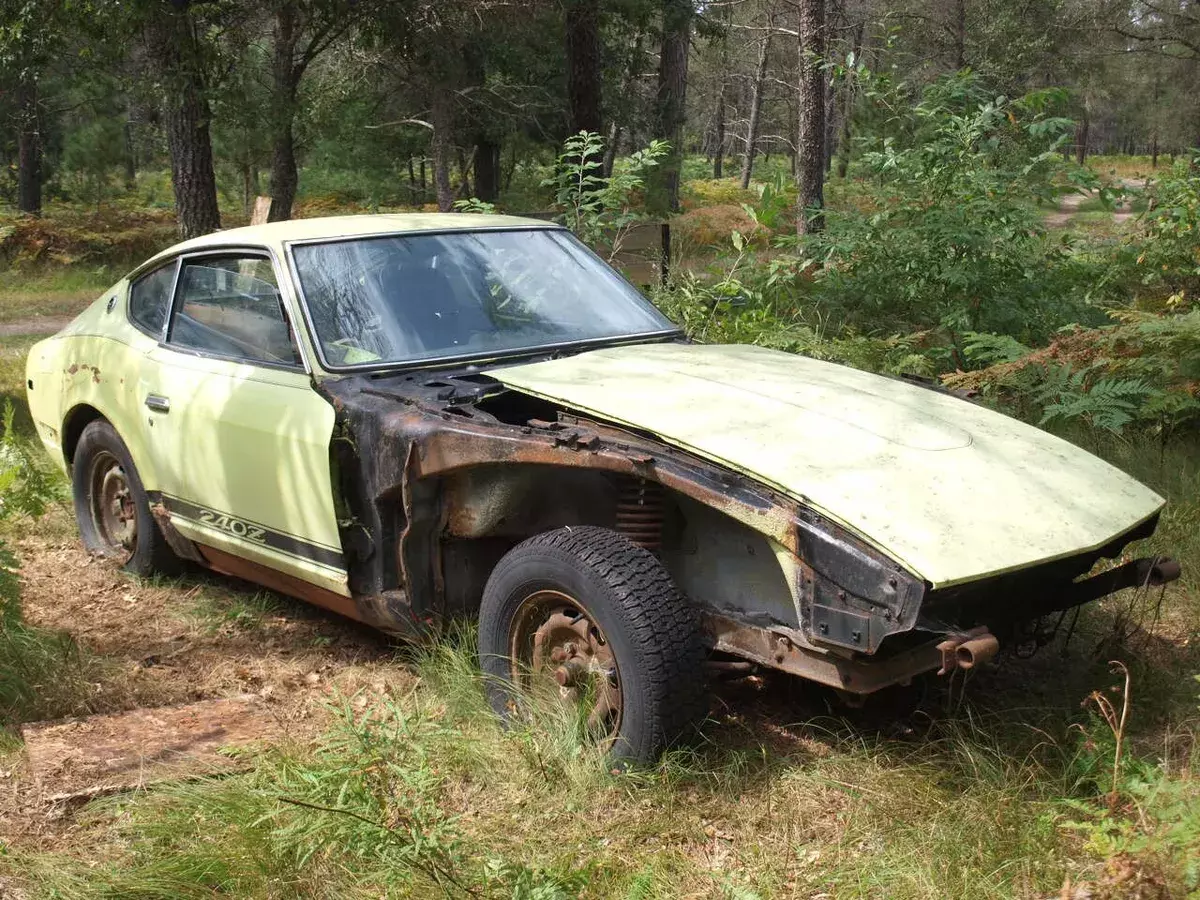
{"points": [[150, 297], [230, 306]]}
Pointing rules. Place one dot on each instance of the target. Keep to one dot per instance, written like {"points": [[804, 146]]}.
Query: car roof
{"points": [[332, 227]]}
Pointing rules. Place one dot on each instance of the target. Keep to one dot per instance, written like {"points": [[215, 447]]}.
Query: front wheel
{"points": [[586, 616], [111, 505]]}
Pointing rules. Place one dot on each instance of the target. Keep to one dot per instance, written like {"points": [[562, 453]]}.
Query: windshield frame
{"points": [[451, 359]]}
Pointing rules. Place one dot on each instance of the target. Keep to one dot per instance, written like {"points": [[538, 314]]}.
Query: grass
{"points": [[243, 610], [53, 292], [422, 794]]}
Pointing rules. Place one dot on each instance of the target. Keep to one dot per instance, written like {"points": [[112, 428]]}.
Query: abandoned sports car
{"points": [[413, 419]]}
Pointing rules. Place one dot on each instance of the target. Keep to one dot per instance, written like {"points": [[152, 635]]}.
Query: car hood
{"points": [[953, 491]]}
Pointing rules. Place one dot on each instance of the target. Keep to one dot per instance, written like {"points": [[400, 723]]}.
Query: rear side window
{"points": [[149, 299], [230, 306]]}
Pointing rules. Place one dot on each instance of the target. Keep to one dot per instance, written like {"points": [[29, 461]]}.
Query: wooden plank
{"points": [[101, 754]]}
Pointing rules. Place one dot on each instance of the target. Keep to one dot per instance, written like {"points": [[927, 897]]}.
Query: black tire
{"points": [[644, 624], [103, 476]]}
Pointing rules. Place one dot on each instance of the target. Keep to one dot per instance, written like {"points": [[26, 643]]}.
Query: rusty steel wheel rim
{"points": [[111, 502], [559, 650]]}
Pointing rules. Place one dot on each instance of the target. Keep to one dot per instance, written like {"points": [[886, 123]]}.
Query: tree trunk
{"points": [[810, 143], [29, 149], [441, 112], [487, 169], [719, 136], [1081, 137], [464, 173], [130, 159], [247, 189], [583, 65], [960, 34], [610, 149], [285, 74], [186, 116], [756, 91], [672, 93], [285, 174]]}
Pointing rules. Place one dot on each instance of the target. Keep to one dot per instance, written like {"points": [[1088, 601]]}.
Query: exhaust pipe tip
{"points": [[976, 651], [966, 651]]}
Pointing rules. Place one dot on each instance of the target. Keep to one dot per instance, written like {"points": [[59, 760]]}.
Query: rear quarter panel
{"points": [[93, 362]]}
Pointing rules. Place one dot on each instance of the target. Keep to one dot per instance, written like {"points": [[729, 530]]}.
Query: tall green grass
{"points": [[424, 795]]}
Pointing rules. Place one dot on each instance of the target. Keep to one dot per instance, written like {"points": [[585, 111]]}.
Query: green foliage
{"points": [[601, 210], [951, 236], [1155, 828], [474, 205], [1106, 403], [34, 662], [1167, 264], [1146, 369]]}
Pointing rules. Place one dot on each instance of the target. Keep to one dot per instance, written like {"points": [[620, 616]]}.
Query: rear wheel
{"points": [[584, 617], [111, 505]]}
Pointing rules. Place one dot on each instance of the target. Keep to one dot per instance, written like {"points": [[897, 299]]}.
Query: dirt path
{"points": [[34, 325], [1068, 206], [156, 643]]}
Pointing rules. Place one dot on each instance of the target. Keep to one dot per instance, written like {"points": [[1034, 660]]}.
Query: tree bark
{"points": [[1081, 137], [130, 159], [960, 34], [719, 135], [442, 115], [672, 92], [175, 50], [29, 149], [810, 143], [487, 169], [584, 65], [286, 74], [756, 91]]}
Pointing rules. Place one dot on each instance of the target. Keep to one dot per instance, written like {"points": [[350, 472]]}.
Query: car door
{"points": [[233, 406]]}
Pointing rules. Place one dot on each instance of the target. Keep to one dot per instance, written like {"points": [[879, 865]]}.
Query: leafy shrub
{"points": [[115, 235], [953, 237], [601, 210], [1145, 369], [1167, 262], [35, 664]]}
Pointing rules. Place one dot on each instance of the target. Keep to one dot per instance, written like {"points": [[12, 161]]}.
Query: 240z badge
{"points": [[236, 527]]}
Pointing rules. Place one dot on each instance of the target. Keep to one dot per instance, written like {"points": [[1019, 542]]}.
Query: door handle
{"points": [[158, 403]]}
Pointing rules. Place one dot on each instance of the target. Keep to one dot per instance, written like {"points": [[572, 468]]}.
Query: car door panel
{"points": [[243, 444], [251, 461]]}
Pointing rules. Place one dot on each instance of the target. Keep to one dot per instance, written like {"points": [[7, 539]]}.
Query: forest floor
{"points": [[789, 796]]}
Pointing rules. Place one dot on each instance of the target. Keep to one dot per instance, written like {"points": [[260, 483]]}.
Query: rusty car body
{"points": [[785, 513]]}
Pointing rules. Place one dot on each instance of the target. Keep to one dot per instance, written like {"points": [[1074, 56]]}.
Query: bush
{"points": [[953, 236], [1143, 370], [35, 664]]}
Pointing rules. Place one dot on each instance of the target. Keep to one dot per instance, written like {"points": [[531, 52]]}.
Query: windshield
{"points": [[466, 293]]}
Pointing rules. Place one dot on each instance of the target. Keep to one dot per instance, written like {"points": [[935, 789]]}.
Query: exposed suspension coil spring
{"points": [[640, 512]]}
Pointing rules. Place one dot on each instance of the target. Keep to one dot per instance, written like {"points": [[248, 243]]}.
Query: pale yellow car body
{"points": [[952, 491]]}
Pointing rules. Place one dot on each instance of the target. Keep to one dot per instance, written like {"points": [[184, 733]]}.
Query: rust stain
{"points": [[84, 367]]}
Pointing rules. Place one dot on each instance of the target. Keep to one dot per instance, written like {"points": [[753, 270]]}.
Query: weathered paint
{"points": [[268, 466], [953, 491]]}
